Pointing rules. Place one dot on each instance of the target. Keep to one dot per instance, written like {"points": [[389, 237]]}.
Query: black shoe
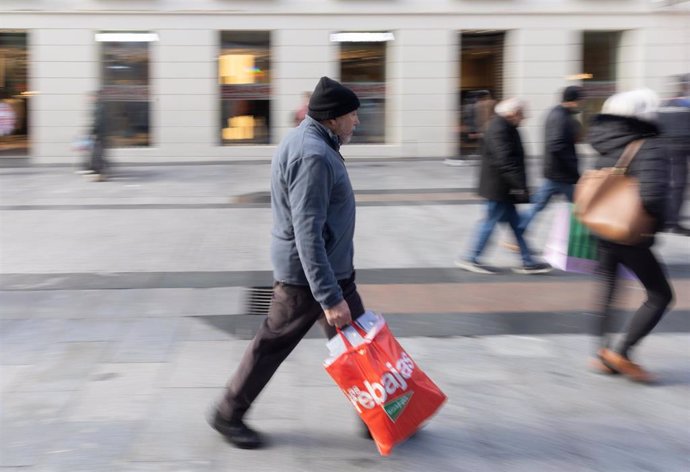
{"points": [[236, 432]]}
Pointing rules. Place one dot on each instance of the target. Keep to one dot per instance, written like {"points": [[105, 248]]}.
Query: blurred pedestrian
{"points": [[674, 119], [301, 112], [483, 111], [99, 135], [503, 183], [313, 208], [626, 117], [561, 132]]}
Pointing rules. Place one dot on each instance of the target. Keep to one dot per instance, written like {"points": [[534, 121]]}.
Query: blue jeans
{"points": [[548, 189], [499, 212]]}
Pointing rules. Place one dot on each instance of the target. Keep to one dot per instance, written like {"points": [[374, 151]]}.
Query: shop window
{"points": [[126, 95], [599, 67], [480, 87], [245, 87], [14, 94], [363, 69]]}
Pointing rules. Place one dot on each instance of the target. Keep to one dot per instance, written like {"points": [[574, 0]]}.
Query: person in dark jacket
{"points": [[626, 117], [674, 119], [313, 208], [561, 132], [99, 136], [503, 183]]}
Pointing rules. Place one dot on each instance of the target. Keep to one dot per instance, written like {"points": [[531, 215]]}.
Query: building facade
{"points": [[220, 80]]}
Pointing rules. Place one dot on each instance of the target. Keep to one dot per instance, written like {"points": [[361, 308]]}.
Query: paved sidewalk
{"points": [[135, 400], [123, 310]]}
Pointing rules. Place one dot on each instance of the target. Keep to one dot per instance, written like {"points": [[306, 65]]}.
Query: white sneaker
{"points": [[456, 162], [474, 267], [97, 177]]}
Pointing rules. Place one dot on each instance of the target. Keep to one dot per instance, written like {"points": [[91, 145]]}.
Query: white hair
{"points": [[642, 104], [510, 106]]}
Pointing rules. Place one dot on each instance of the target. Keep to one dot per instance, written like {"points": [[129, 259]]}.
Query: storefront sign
{"points": [[366, 90], [594, 89], [126, 93], [246, 92]]}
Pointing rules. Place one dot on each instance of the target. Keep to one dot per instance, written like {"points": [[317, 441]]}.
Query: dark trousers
{"points": [[292, 313], [679, 180], [642, 262], [499, 212], [98, 162], [548, 189]]}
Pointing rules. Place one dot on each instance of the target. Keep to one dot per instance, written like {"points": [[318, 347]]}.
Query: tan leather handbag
{"points": [[608, 202]]}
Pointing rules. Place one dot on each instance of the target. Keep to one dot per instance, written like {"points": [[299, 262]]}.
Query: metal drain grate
{"points": [[259, 300]]}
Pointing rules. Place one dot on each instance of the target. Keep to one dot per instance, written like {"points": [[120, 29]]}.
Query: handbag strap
{"points": [[628, 153]]}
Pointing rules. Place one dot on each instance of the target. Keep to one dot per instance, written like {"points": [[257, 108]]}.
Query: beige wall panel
{"points": [[65, 53], [179, 102], [68, 85], [61, 70], [57, 102], [200, 86], [428, 102], [62, 37], [302, 70], [185, 70], [189, 37], [320, 54], [422, 54], [427, 86], [187, 54]]}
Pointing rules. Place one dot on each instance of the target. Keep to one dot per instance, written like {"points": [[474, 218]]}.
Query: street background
{"points": [[125, 308]]}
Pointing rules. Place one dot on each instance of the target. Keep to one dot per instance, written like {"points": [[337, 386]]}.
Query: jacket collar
{"points": [[331, 138]]}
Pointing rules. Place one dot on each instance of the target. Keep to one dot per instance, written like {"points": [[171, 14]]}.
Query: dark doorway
{"points": [[480, 87], [14, 94]]}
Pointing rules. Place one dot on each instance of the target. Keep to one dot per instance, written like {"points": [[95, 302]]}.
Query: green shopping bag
{"points": [[581, 243], [571, 246]]}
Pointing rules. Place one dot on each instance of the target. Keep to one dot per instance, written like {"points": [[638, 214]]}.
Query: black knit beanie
{"points": [[331, 99], [572, 93]]}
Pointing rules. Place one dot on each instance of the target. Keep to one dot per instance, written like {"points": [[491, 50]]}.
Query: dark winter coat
{"points": [[99, 124], [674, 122], [560, 134], [502, 177], [609, 135]]}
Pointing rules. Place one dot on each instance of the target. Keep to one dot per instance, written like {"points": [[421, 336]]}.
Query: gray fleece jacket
{"points": [[313, 209]]}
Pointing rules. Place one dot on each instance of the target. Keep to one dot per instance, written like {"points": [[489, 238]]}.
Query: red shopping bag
{"points": [[387, 388]]}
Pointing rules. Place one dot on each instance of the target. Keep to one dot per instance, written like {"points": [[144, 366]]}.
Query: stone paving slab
{"points": [[515, 403], [144, 241], [147, 340], [217, 239]]}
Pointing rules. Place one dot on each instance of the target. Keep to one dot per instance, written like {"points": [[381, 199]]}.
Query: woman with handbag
{"points": [[631, 117]]}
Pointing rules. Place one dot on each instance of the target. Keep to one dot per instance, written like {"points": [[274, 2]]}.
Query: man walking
{"points": [[97, 164], [503, 183], [483, 112], [313, 209], [561, 173]]}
